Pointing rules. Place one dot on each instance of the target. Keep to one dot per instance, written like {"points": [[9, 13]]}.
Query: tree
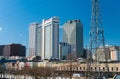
{"points": [[37, 72]]}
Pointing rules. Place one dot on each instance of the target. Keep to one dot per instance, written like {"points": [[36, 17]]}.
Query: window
{"points": [[103, 68], [84, 68], [112, 68], [76, 68], [99, 68], [95, 68], [116, 68], [80, 68]]}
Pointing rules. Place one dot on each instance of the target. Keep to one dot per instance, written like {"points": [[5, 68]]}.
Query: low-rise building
{"points": [[115, 53], [64, 50], [12, 50], [108, 53]]}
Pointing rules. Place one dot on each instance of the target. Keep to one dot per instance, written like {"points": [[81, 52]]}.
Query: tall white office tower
{"points": [[50, 38], [44, 38], [35, 35]]}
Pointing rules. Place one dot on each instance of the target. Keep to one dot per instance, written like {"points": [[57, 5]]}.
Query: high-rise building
{"points": [[44, 38], [50, 38], [35, 34], [73, 35], [39, 40]]}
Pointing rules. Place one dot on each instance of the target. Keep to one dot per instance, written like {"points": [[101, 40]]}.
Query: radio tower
{"points": [[96, 38], [96, 28]]}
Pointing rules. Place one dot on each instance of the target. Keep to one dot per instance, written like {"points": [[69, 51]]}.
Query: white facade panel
{"points": [[51, 38], [35, 34]]}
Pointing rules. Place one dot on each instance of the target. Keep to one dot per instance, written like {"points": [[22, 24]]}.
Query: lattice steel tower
{"points": [[96, 28], [97, 38]]}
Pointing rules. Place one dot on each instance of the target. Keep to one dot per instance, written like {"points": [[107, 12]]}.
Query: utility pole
{"points": [[96, 39]]}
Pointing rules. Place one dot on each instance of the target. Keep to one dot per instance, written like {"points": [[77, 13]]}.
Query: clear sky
{"points": [[16, 15]]}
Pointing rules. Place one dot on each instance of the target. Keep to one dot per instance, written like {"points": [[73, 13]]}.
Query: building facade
{"points": [[64, 49], [44, 38], [102, 54], [13, 50], [109, 53], [114, 53], [35, 35], [39, 41], [1, 50], [50, 38], [73, 35]]}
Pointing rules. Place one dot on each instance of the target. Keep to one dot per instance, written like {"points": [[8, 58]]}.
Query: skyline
{"points": [[15, 17]]}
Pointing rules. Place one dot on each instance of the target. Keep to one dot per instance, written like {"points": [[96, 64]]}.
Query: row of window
{"points": [[91, 68]]}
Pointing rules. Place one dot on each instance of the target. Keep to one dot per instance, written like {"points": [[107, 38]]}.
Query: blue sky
{"points": [[16, 15]]}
